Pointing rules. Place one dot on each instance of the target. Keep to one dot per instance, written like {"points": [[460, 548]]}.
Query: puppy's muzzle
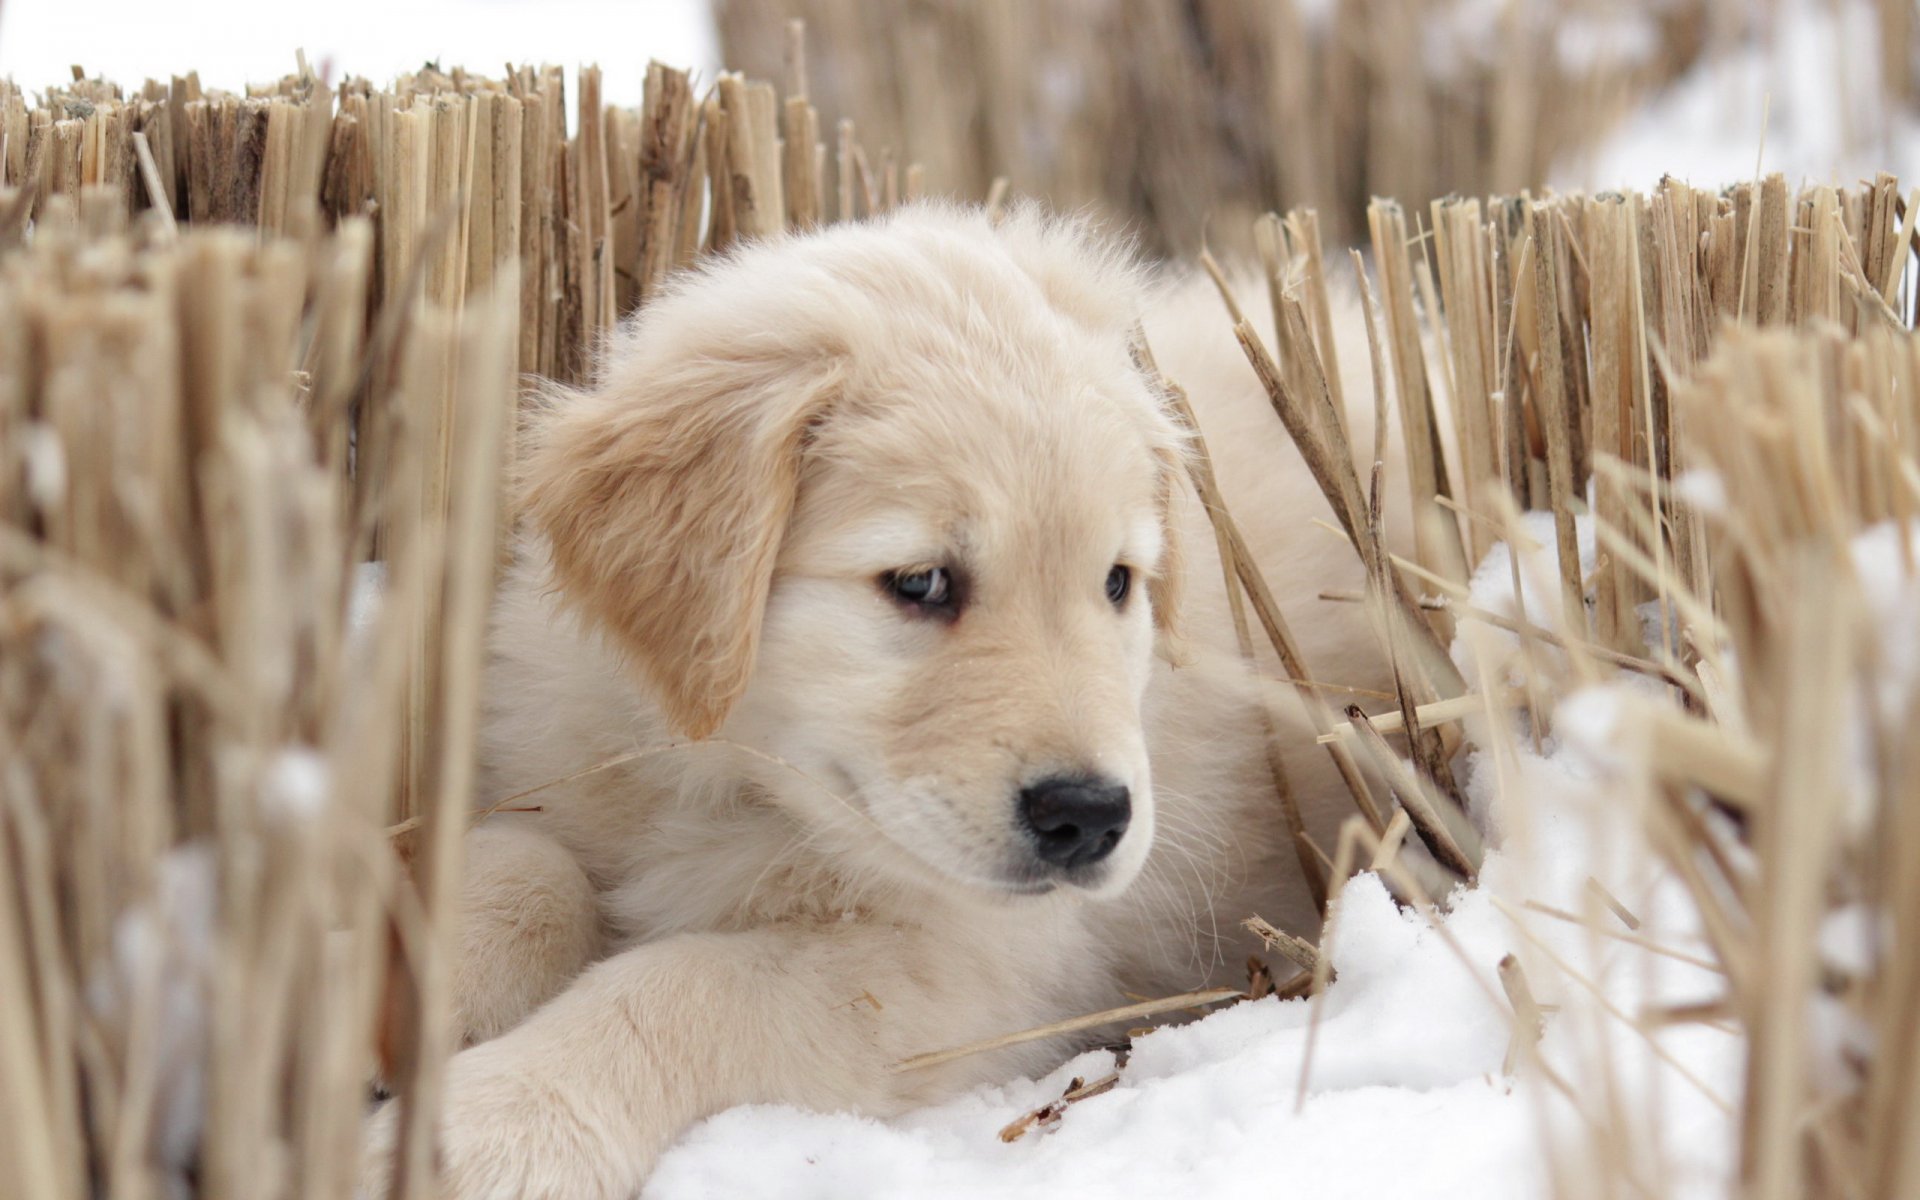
{"points": [[1075, 820]]}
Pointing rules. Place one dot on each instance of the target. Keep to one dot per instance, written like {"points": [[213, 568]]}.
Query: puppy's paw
{"points": [[509, 1131]]}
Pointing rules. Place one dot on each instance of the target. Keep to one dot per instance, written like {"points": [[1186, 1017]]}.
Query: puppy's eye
{"points": [[930, 587], [1119, 583]]}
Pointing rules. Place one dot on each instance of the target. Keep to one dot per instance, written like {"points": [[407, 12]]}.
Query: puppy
{"points": [[851, 616]]}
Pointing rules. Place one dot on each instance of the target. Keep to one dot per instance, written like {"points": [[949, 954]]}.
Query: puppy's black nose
{"points": [[1076, 819]]}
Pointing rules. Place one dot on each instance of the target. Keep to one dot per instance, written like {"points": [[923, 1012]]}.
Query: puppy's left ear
{"points": [[664, 495]]}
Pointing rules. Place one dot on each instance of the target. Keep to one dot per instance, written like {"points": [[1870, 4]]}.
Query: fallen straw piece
{"points": [[1420, 800], [1147, 1008], [1049, 1114], [1296, 950], [1434, 712]]}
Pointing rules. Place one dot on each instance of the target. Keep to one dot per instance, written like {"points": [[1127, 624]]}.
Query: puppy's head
{"points": [[890, 503]]}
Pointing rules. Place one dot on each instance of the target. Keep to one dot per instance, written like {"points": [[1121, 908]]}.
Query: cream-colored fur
{"points": [[811, 866]]}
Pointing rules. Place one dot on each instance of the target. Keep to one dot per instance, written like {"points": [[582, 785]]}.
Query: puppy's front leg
{"points": [[528, 925], [577, 1102]]}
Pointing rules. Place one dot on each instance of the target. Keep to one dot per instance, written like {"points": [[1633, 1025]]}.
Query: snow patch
{"points": [[45, 462], [1703, 489], [363, 602], [1888, 579], [297, 783], [154, 993], [1807, 86]]}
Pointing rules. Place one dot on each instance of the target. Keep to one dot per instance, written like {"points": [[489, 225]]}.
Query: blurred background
{"points": [[1315, 102], [236, 42]]}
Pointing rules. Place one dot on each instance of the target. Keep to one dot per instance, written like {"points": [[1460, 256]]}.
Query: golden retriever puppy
{"points": [[863, 563]]}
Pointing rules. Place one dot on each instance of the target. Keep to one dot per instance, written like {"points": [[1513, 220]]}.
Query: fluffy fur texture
{"points": [[815, 864]]}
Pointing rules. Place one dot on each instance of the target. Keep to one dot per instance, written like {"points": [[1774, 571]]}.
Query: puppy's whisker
{"points": [[1187, 836]]}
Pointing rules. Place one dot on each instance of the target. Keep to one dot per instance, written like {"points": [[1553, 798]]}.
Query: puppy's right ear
{"points": [[664, 494]]}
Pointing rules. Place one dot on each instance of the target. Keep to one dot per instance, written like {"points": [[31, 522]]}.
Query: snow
{"points": [[1892, 590], [297, 783], [1539, 601], [364, 599], [1317, 15], [153, 993], [1492, 581], [44, 460], [1611, 37], [1850, 940], [1808, 87], [1703, 489], [1478, 33]]}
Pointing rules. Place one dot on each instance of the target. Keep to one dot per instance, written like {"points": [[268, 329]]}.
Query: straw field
{"points": [[255, 350]]}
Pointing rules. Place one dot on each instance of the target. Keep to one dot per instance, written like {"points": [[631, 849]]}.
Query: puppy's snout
{"points": [[1076, 820]]}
